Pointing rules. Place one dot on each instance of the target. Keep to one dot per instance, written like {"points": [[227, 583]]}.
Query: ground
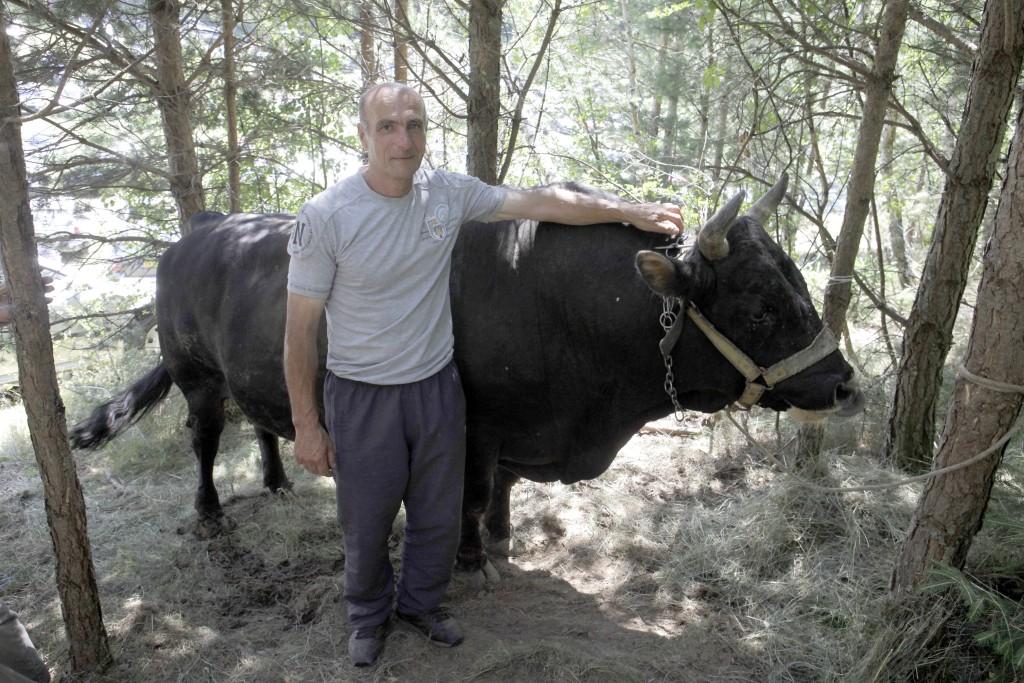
{"points": [[687, 561]]}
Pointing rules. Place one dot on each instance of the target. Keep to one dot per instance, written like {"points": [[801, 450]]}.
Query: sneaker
{"points": [[437, 626], [366, 644]]}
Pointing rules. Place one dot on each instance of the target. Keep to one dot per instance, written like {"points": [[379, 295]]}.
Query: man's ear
{"points": [[362, 134], [670, 278]]}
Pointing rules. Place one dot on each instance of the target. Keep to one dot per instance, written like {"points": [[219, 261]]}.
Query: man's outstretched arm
{"points": [[561, 205]]}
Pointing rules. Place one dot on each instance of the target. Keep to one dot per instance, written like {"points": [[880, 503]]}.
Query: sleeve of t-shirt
{"points": [[478, 200], [312, 248]]}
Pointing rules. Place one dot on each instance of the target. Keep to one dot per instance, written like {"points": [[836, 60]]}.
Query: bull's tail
{"points": [[113, 417]]}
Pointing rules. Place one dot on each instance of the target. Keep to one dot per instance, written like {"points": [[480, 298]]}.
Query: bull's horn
{"points": [[712, 240], [764, 207]]}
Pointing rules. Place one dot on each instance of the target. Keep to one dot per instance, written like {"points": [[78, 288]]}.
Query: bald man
{"points": [[374, 251]]}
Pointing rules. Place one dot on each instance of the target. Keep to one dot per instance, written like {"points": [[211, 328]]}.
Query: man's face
{"points": [[394, 135]]}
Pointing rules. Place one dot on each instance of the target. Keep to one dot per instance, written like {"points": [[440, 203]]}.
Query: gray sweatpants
{"points": [[19, 661], [394, 444]]}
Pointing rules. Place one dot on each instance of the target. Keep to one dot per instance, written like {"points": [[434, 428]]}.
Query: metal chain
{"points": [[667, 320]]}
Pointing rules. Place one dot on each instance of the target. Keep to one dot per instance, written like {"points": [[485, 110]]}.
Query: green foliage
{"points": [[1000, 620]]}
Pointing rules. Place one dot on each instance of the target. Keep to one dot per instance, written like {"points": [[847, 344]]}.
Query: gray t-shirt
{"points": [[382, 265]]}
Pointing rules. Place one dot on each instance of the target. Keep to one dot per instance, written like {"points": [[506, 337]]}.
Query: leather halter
{"points": [[759, 380]]}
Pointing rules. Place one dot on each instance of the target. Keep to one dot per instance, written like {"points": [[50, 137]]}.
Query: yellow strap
{"points": [[824, 344], [741, 361]]}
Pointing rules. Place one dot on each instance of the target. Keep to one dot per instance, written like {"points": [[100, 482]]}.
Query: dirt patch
{"points": [[664, 569]]}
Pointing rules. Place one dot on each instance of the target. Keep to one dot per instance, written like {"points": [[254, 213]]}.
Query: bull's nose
{"points": [[848, 398]]}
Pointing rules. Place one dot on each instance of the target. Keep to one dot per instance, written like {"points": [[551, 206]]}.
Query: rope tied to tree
{"points": [[992, 384], [838, 280]]}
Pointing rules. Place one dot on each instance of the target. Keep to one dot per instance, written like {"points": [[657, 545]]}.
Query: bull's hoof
{"points": [[502, 547], [479, 566], [282, 486], [478, 580], [490, 573], [207, 527]]}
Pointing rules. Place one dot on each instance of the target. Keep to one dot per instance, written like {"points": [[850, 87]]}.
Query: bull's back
{"points": [[221, 296]]}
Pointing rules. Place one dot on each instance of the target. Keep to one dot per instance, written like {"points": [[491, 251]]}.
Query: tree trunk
{"points": [[659, 91], [668, 142], [704, 105], [877, 91], [367, 46], [892, 200], [230, 105], [634, 104], [719, 141], [65, 506], [952, 506], [929, 331], [401, 42], [484, 88], [861, 190], [174, 100]]}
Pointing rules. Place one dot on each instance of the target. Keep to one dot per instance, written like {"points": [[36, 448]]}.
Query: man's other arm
{"points": [[313, 447]]}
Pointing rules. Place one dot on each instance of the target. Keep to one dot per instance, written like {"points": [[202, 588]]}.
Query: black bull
{"points": [[556, 338]]}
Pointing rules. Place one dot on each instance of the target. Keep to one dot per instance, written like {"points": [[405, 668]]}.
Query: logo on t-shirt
{"points": [[437, 224], [303, 237]]}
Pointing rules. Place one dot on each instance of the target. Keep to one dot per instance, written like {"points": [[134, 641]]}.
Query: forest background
{"points": [[136, 116]]}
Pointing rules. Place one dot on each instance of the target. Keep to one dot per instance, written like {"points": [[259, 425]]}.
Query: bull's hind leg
{"points": [[476, 497], [499, 514], [274, 477], [206, 417]]}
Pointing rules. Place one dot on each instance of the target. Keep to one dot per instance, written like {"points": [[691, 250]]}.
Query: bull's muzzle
{"points": [[849, 399]]}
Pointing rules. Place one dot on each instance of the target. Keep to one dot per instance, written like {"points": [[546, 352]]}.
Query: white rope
{"points": [[992, 384], [998, 444], [839, 280]]}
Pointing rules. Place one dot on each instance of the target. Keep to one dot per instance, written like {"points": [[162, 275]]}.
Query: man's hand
{"points": [[314, 450], [663, 218]]}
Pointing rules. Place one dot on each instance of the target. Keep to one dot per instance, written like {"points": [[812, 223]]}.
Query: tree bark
{"points": [[65, 506], [928, 335], [231, 109], [952, 506], [484, 103], [401, 42], [174, 99]]}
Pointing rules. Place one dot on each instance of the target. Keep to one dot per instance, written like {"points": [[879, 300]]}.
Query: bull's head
{"points": [[753, 294]]}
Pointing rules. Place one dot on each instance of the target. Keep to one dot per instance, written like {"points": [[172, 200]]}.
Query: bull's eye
{"points": [[762, 316]]}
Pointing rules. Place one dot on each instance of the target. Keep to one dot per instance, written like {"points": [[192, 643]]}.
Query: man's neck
{"points": [[387, 187]]}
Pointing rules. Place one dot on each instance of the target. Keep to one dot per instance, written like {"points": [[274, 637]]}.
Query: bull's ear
{"points": [[685, 279], [660, 274]]}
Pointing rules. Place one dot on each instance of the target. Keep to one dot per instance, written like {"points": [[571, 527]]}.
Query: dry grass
{"points": [[692, 559]]}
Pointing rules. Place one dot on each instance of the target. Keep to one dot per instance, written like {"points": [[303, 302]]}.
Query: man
{"points": [[375, 251]]}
